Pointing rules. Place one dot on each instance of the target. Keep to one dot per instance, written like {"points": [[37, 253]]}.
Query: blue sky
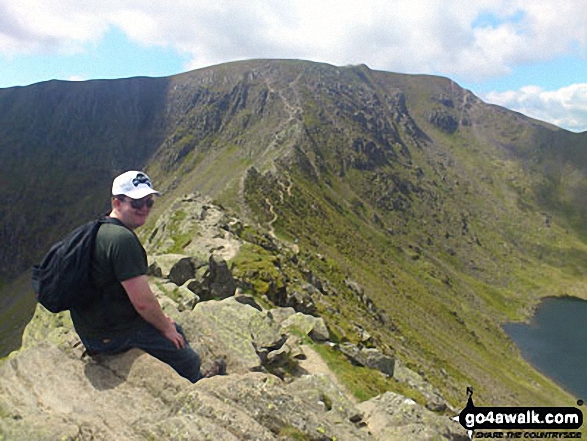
{"points": [[527, 55]]}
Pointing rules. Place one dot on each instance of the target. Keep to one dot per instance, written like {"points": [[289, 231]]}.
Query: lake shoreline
{"points": [[552, 341]]}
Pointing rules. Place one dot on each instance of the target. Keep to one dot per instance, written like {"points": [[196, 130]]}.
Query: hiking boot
{"points": [[217, 368]]}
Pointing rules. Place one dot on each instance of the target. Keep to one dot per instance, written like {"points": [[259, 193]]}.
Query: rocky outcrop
{"points": [[444, 121], [49, 390], [394, 417], [194, 227], [208, 280]]}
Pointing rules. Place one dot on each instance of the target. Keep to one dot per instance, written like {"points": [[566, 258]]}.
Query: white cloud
{"points": [[565, 107], [397, 35], [33, 26]]}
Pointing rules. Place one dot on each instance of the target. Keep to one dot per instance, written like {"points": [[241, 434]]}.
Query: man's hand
{"points": [[175, 337], [140, 294], [172, 334]]}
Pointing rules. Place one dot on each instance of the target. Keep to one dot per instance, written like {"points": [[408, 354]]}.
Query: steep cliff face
{"points": [[277, 386]]}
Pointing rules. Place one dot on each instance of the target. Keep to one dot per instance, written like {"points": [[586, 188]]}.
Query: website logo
{"points": [[475, 418]]}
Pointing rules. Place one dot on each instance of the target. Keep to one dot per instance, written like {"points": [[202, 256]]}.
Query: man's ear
{"points": [[116, 203]]}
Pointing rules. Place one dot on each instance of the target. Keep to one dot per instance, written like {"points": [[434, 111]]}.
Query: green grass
{"points": [[364, 383], [258, 268], [293, 433], [179, 235]]}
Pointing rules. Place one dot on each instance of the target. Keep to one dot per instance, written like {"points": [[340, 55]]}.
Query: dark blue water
{"points": [[555, 342]]}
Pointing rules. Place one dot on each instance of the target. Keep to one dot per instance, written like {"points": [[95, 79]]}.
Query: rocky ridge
{"points": [[276, 388]]}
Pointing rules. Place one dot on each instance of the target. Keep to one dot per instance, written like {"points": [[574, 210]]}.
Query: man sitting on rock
{"points": [[128, 315]]}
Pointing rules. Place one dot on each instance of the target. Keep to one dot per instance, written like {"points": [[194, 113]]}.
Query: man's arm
{"points": [[140, 294]]}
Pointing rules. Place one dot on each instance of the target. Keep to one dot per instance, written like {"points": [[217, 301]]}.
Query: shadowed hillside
{"points": [[60, 144]]}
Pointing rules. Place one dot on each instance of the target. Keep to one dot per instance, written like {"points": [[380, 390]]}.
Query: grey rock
{"points": [[202, 226], [220, 280], [160, 265], [211, 282], [434, 400], [376, 360], [48, 392], [301, 302], [248, 300], [240, 332], [392, 417], [369, 357], [314, 327], [279, 315], [182, 271]]}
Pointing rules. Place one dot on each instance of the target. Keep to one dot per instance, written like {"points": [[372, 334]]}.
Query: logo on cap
{"points": [[141, 179]]}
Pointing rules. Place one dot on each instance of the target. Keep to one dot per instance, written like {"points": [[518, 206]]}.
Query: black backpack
{"points": [[63, 279]]}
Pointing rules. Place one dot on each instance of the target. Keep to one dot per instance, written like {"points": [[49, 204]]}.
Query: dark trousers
{"points": [[186, 361]]}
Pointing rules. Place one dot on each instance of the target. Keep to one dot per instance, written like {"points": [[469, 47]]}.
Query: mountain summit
{"points": [[425, 217]]}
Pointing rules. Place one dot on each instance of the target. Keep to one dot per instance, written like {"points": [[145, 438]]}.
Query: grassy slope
{"points": [[450, 331], [467, 252], [61, 144]]}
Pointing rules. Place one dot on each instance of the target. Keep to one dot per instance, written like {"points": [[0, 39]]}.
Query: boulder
{"points": [[369, 357], [48, 394], [314, 327], [279, 315], [132, 397], [434, 399], [182, 271], [160, 265], [393, 417], [49, 391], [229, 328], [301, 302], [214, 282], [221, 284], [182, 298], [195, 226], [376, 360], [261, 407]]}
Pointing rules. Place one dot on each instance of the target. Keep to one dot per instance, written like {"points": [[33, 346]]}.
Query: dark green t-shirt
{"points": [[118, 256]]}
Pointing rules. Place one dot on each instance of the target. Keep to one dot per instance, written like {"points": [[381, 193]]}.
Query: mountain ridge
{"points": [[285, 380], [452, 215]]}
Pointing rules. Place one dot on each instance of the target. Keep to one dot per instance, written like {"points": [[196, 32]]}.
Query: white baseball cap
{"points": [[134, 184]]}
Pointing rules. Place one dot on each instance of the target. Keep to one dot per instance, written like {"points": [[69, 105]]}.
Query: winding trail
{"points": [[314, 364]]}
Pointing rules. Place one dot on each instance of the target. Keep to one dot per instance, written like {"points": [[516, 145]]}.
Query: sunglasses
{"points": [[137, 204]]}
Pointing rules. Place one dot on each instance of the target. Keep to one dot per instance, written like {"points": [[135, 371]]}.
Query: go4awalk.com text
{"points": [[521, 422], [527, 435]]}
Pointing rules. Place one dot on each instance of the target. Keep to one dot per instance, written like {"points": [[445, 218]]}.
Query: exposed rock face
{"points": [[444, 121], [220, 281], [194, 227], [49, 391], [394, 417], [208, 280]]}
